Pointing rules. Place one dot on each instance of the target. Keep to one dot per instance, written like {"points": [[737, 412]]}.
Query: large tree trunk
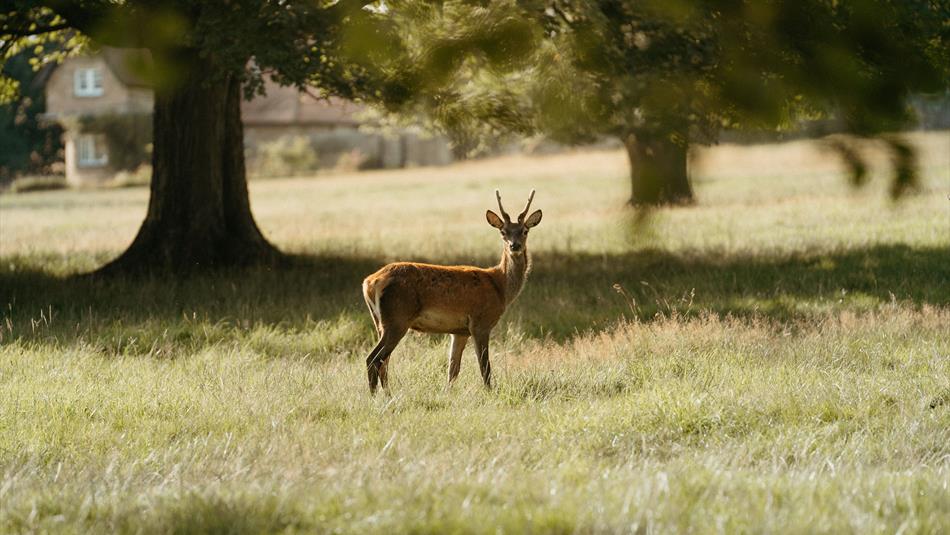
{"points": [[658, 171], [199, 216]]}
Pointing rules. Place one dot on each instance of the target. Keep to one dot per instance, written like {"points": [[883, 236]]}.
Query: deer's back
{"points": [[440, 299]]}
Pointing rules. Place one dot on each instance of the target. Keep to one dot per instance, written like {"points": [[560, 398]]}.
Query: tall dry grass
{"points": [[773, 359]]}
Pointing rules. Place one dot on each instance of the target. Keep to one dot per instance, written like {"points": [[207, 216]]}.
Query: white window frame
{"points": [[91, 150], [87, 82]]}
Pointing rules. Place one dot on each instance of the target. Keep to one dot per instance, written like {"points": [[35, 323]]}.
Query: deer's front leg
{"points": [[481, 349], [455, 355]]}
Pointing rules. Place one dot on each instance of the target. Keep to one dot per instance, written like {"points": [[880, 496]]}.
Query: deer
{"points": [[462, 301]]}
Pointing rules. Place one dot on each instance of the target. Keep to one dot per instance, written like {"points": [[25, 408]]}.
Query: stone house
{"points": [[106, 85], [91, 86]]}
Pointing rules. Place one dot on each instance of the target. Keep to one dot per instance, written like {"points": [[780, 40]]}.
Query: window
{"points": [[92, 150], [88, 82]]}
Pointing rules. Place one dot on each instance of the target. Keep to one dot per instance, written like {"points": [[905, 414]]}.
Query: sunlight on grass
{"points": [[773, 359]]}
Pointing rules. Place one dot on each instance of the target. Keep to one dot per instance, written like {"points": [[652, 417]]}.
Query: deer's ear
{"points": [[533, 219], [493, 219]]}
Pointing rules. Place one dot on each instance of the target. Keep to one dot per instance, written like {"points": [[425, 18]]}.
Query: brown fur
{"points": [[463, 301]]}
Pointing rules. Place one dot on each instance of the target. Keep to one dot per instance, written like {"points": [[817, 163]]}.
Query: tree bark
{"points": [[659, 171], [199, 215]]}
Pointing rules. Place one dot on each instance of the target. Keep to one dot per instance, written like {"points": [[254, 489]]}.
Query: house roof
{"points": [[279, 106], [286, 106], [129, 65]]}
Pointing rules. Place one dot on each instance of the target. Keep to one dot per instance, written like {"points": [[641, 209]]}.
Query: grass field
{"points": [[777, 360]]}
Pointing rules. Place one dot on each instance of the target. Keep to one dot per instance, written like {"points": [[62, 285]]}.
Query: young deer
{"points": [[463, 301]]}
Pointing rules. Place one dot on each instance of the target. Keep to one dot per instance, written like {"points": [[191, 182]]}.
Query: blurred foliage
{"points": [[468, 68], [693, 68], [684, 71], [441, 57], [26, 144], [288, 155], [352, 49], [338, 47], [132, 178], [28, 183], [30, 30], [690, 69]]}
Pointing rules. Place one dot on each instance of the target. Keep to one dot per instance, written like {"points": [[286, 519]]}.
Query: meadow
{"points": [[775, 358]]}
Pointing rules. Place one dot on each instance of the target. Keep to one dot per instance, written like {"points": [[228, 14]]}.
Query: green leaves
{"points": [[690, 69]]}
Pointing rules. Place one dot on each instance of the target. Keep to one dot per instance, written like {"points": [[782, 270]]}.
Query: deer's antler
{"points": [[501, 208], [525, 212]]}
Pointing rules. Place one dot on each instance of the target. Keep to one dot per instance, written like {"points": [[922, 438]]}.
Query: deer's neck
{"points": [[515, 269]]}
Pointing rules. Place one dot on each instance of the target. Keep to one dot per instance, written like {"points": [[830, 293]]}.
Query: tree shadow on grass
{"points": [[300, 295], [566, 294], [574, 293]]}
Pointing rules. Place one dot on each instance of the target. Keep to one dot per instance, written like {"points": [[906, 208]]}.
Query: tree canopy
{"points": [[296, 42], [662, 75], [693, 68]]}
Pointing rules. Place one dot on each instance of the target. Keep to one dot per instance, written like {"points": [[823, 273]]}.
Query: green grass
{"points": [[777, 360]]}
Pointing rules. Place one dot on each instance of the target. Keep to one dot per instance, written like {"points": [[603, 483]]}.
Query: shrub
{"points": [[285, 156], [37, 183], [141, 176], [351, 160]]}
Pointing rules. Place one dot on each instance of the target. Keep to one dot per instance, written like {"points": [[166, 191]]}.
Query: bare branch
{"points": [[564, 16], [35, 31], [308, 90]]}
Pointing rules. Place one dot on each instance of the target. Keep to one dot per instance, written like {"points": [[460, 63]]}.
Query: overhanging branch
{"points": [[14, 34], [90, 18]]}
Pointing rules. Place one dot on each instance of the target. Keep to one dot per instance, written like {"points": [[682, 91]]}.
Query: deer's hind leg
{"points": [[378, 359], [372, 367], [396, 336], [373, 312], [394, 318]]}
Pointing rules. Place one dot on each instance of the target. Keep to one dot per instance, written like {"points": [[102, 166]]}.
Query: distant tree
{"points": [[468, 66], [204, 57], [664, 75]]}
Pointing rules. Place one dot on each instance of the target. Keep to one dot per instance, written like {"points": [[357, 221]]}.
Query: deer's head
{"points": [[514, 234]]}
